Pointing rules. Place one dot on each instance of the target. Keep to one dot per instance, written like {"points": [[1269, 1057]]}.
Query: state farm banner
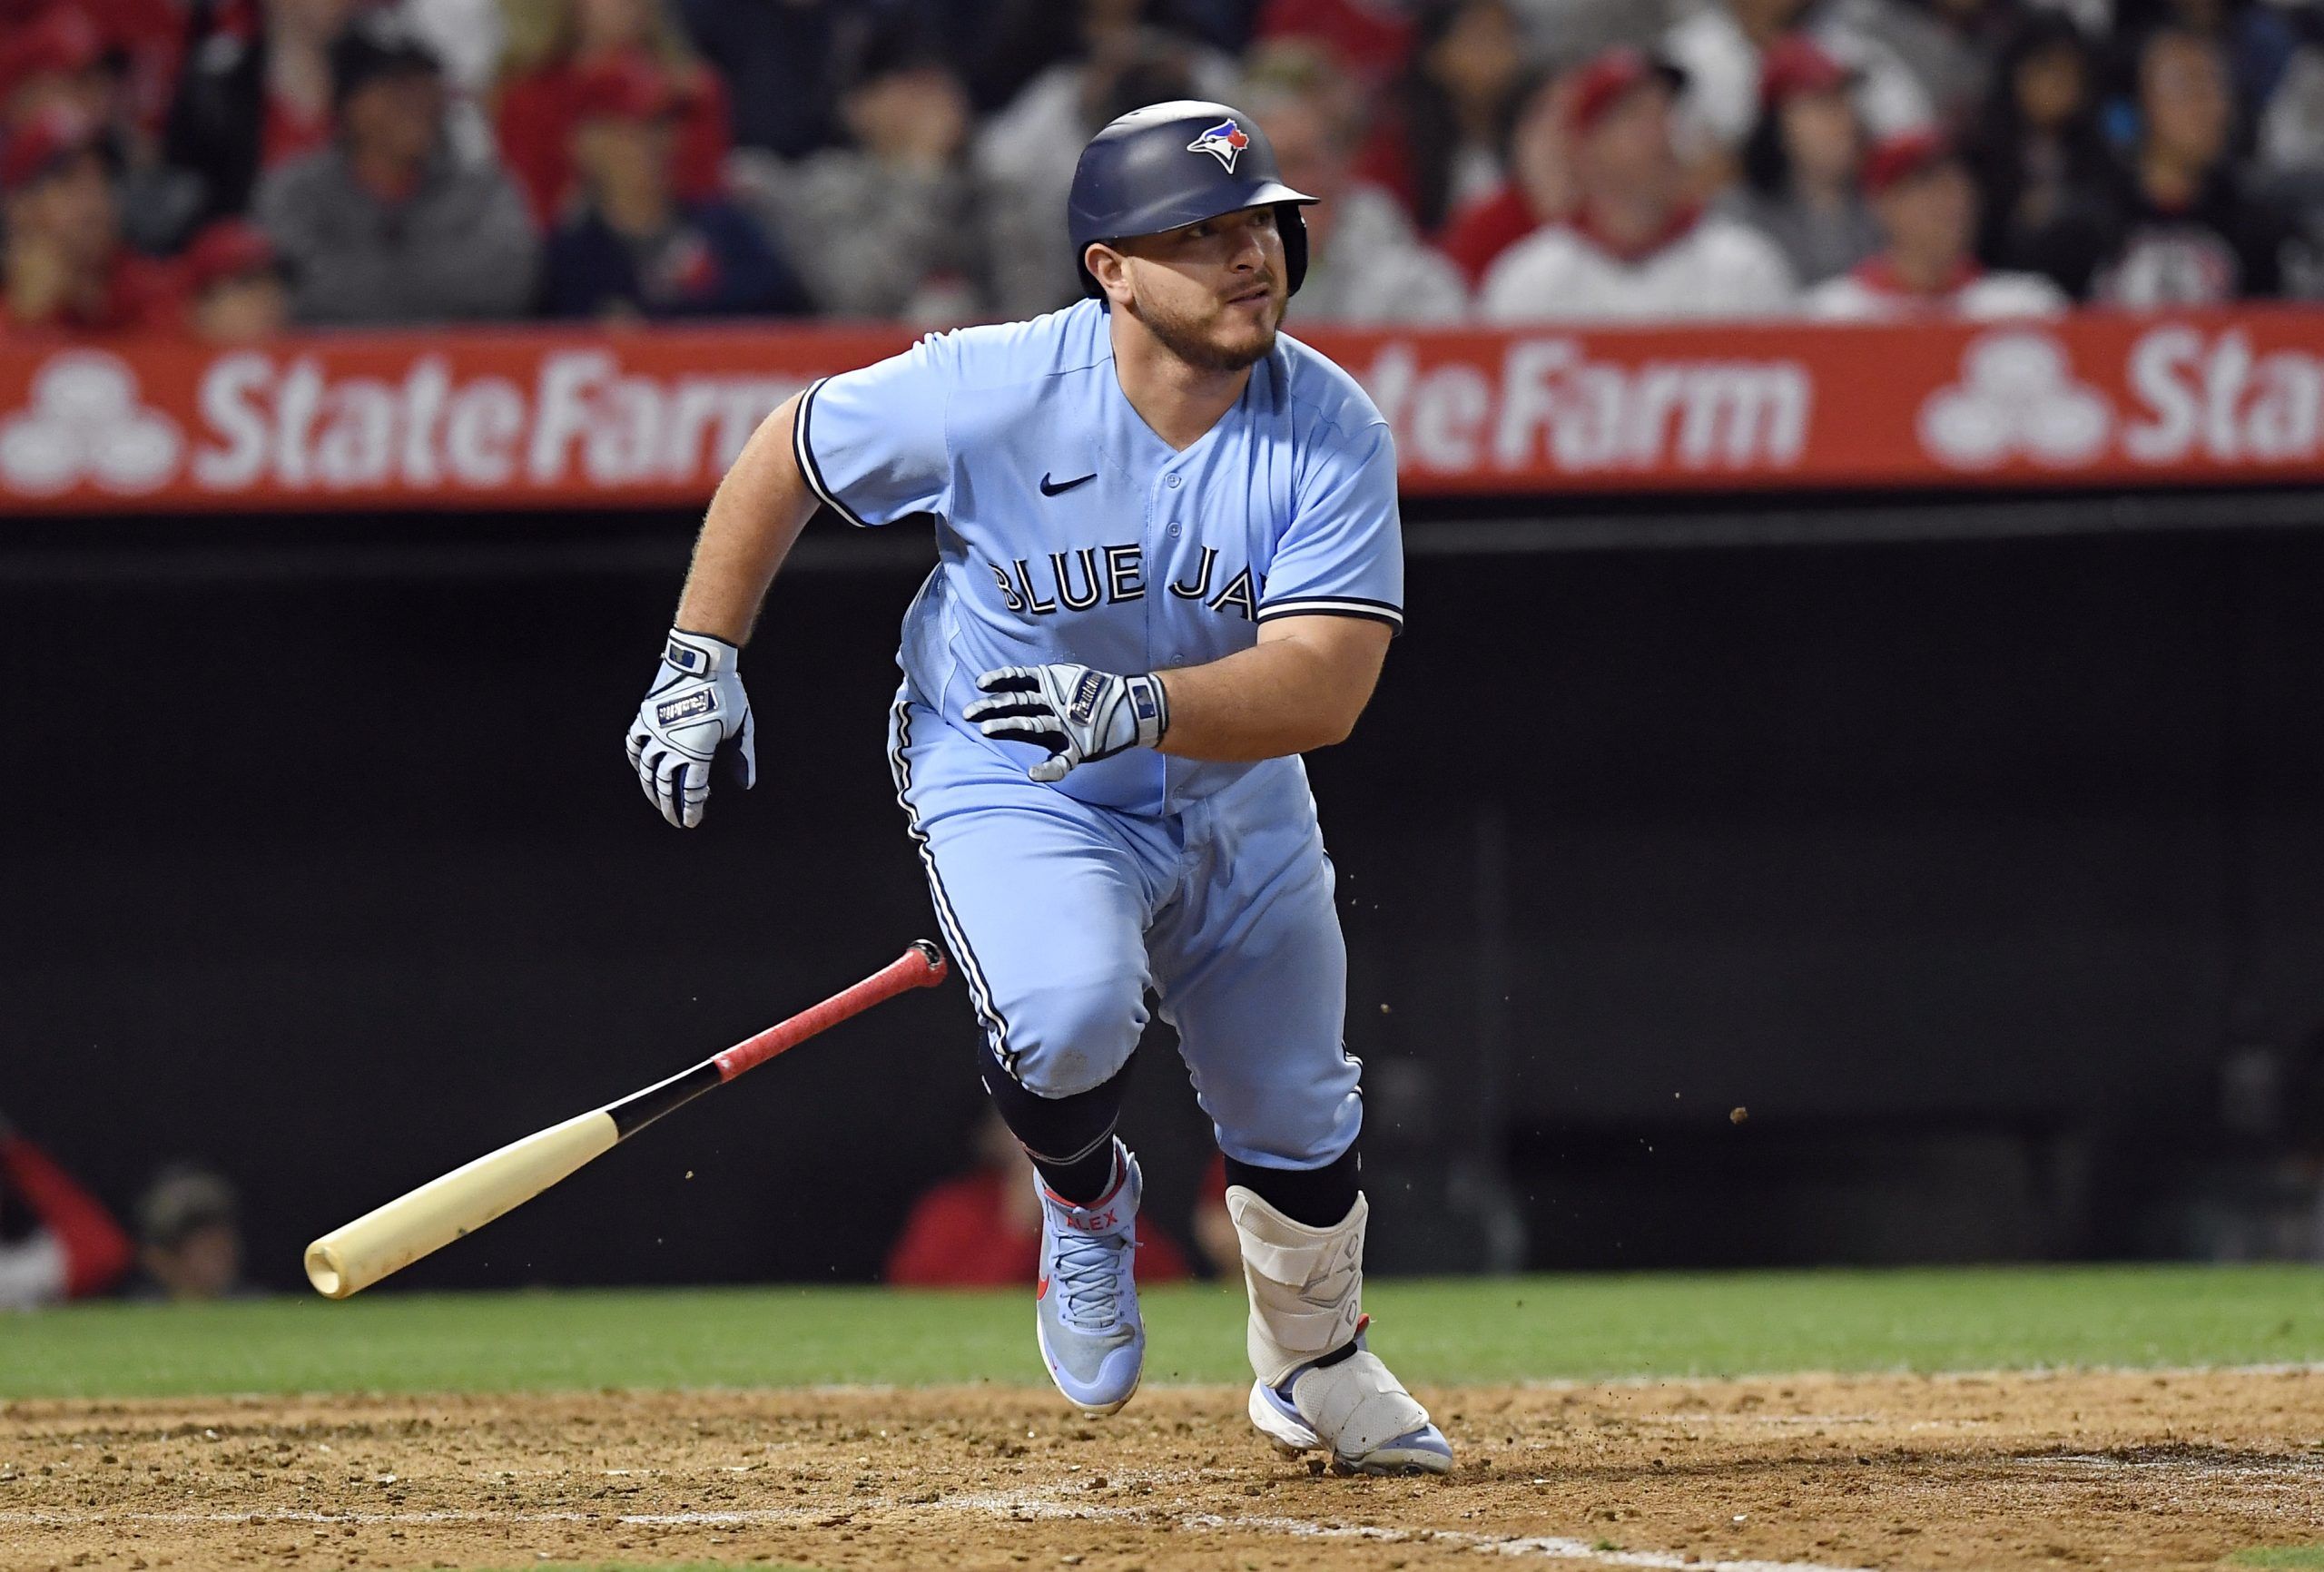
{"points": [[514, 418], [545, 418], [2097, 398]]}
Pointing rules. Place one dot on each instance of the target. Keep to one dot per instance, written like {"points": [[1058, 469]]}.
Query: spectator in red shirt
{"points": [[74, 1248], [1927, 207], [67, 270], [982, 1229], [256, 95], [62, 60], [235, 284], [1635, 249], [540, 87], [1538, 190]]}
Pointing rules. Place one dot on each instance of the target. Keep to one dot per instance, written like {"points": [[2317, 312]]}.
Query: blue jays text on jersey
{"points": [[1069, 531]]}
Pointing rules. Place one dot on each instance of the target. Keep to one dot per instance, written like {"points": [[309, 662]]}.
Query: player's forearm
{"points": [[1286, 695], [760, 507]]}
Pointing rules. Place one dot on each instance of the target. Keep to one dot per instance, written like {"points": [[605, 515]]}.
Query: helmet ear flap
{"points": [[1292, 225]]}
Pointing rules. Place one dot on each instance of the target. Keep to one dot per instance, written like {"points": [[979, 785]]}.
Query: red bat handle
{"points": [[921, 966]]}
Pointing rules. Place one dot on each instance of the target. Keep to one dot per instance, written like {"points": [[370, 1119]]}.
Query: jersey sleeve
{"points": [[874, 443], [1344, 552]]}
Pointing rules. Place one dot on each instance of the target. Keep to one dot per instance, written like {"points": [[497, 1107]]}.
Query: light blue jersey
{"points": [[1068, 531]]}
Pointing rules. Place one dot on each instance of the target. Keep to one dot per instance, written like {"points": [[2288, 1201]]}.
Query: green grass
{"points": [[1489, 1329], [2281, 1557]]}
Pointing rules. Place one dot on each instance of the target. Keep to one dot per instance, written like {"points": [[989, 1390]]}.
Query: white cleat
{"points": [[1373, 1425], [1280, 1422]]}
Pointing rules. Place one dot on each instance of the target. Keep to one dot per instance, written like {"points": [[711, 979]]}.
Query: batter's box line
{"points": [[1550, 1547]]}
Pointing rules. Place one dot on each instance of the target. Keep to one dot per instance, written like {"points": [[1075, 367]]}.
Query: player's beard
{"points": [[1220, 341]]}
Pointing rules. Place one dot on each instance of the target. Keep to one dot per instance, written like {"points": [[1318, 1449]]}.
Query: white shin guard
{"points": [[1307, 1283], [1307, 1287]]}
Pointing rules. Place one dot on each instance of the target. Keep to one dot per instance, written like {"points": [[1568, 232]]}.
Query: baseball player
{"points": [[1169, 564]]}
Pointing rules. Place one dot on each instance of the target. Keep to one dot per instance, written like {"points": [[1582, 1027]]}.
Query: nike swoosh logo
{"points": [[1051, 489], [1043, 1290]]}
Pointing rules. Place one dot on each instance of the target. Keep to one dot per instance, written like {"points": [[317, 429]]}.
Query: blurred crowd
{"points": [[227, 168], [58, 1241]]}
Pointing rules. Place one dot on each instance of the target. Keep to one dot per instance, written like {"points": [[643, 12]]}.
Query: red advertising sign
{"points": [[541, 419]]}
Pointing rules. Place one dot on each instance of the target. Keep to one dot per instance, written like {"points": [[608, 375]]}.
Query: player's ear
{"points": [[1110, 268]]}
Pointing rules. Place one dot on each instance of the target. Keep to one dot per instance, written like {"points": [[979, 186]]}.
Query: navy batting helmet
{"points": [[1177, 163]]}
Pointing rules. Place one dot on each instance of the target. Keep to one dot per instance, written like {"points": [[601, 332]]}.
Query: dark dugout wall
{"points": [[1965, 867]]}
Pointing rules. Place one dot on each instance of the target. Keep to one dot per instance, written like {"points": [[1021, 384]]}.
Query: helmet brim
{"points": [[1162, 219]]}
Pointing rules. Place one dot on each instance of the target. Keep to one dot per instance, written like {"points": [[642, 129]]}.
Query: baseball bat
{"points": [[350, 1259]]}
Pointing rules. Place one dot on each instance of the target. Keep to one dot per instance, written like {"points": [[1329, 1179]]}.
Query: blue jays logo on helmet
{"points": [[1224, 141], [1137, 177]]}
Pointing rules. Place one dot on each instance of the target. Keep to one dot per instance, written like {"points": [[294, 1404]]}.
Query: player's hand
{"points": [[695, 712], [1079, 715]]}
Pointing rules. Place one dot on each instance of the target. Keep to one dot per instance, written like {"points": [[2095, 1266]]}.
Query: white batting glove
{"points": [[695, 711], [1079, 715]]}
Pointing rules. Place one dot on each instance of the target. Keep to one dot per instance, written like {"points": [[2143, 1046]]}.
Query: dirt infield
{"points": [[2123, 1471]]}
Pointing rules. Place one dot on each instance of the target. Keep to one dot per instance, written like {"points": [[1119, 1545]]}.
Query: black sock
{"points": [[1070, 1139], [1317, 1197], [1083, 1180]]}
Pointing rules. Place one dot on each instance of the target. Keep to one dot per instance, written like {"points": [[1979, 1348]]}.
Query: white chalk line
{"points": [[2292, 1469], [1550, 1546], [1018, 1506]]}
